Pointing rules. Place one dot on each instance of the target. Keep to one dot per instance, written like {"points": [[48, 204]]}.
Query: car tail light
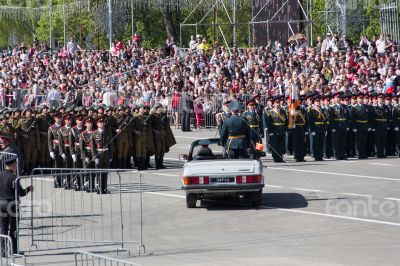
{"points": [[248, 179], [196, 180]]}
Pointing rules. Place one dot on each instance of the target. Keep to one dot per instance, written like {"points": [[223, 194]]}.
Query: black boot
{"points": [[158, 164], [140, 163], [162, 163], [148, 165]]}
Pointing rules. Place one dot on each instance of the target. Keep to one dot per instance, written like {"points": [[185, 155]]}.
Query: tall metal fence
{"points": [[389, 20], [85, 258], [61, 218]]}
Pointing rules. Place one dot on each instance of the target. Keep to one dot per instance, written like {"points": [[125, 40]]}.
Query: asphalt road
{"points": [[312, 213]]}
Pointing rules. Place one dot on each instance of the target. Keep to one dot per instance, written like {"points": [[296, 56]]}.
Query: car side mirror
{"points": [[183, 157]]}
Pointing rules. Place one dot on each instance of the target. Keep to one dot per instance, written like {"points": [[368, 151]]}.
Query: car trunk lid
{"points": [[221, 168]]}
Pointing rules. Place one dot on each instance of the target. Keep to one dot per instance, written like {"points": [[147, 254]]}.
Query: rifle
{"points": [[29, 128]]}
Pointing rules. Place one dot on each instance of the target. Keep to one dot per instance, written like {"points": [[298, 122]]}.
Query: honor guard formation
{"points": [[94, 138], [334, 125]]}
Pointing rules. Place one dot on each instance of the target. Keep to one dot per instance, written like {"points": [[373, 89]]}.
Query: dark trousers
{"points": [[317, 143], [185, 123], [8, 223], [277, 147], [339, 143], [380, 141], [102, 178], [298, 143], [329, 144], [58, 163], [237, 154], [350, 144], [371, 144], [391, 143], [398, 141], [361, 141], [289, 141], [78, 177], [68, 163]]}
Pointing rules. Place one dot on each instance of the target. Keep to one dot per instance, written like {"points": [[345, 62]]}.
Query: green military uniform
{"points": [[52, 143], [6, 129], [122, 137], [44, 122], [77, 159], [144, 145], [86, 147], [102, 152], [66, 150], [28, 129]]}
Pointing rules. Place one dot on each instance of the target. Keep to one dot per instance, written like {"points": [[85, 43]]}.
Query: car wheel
{"points": [[191, 200], [256, 198]]}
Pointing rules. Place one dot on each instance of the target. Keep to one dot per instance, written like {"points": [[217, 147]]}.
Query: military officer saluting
{"points": [[86, 147], [102, 152], [235, 134], [252, 117], [276, 123], [27, 127], [317, 126], [222, 116], [360, 124]]}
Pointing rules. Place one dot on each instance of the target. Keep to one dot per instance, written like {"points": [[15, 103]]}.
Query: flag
{"points": [[293, 102]]}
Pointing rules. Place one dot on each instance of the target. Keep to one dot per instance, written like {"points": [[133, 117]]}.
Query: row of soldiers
{"points": [[94, 138], [337, 125]]}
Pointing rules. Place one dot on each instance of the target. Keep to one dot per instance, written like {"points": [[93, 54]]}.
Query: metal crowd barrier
{"points": [[85, 258], [7, 256], [60, 218]]}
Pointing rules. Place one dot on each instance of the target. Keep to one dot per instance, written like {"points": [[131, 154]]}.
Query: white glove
{"points": [[388, 128], [73, 157], [307, 133], [63, 156], [354, 130], [348, 129], [271, 134], [52, 155], [87, 160], [369, 129], [97, 161], [396, 129], [110, 160], [312, 133], [333, 130], [373, 130]]}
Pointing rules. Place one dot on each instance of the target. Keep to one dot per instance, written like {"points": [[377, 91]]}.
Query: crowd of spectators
{"points": [[130, 74]]}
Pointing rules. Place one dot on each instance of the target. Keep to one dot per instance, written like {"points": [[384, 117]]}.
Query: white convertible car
{"points": [[208, 174]]}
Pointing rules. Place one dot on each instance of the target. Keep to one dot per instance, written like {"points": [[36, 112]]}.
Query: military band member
{"points": [[380, 126], [66, 149], [371, 101], [326, 110], [235, 134], [222, 116], [102, 154], [299, 130], [276, 123], [360, 123], [86, 147], [317, 126], [391, 136], [349, 103], [340, 126], [28, 129], [253, 119]]}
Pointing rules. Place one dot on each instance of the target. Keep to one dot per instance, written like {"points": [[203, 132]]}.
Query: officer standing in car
{"points": [[235, 134]]}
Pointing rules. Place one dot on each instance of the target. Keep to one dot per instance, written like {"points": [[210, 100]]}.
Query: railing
{"points": [[65, 218], [85, 258]]}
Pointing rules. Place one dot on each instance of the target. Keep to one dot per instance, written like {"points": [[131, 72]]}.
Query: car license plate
{"points": [[223, 179]]}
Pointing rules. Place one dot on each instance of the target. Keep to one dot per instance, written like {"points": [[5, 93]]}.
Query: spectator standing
{"points": [[54, 96], [198, 111]]}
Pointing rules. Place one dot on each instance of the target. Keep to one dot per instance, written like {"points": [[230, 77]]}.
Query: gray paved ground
{"points": [[313, 213]]}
